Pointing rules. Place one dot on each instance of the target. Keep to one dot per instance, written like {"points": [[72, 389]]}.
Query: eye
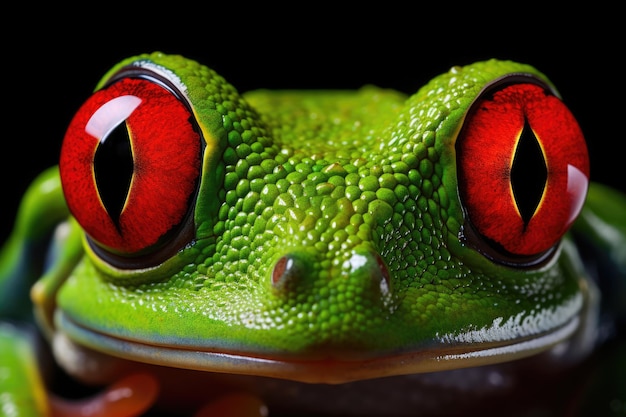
{"points": [[523, 171], [130, 166]]}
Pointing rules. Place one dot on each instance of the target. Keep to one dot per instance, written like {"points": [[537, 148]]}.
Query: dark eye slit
{"points": [[113, 170], [529, 173]]}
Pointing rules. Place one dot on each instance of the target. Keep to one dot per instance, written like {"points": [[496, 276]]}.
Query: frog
{"points": [[202, 251]]}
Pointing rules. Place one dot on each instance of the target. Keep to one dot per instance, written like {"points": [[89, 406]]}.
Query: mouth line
{"points": [[329, 370]]}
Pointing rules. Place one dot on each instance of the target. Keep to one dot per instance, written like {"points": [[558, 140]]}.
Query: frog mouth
{"points": [[330, 369]]}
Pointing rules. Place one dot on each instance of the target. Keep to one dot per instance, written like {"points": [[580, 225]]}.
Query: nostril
{"points": [[288, 270], [280, 269], [371, 266]]}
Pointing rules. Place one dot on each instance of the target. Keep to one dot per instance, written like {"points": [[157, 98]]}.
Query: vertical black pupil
{"points": [[529, 173], [113, 170]]}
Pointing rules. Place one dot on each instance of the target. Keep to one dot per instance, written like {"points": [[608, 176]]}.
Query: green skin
{"points": [[385, 186]]}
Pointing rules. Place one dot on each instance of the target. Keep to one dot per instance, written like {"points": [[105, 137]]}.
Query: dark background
{"points": [[52, 62]]}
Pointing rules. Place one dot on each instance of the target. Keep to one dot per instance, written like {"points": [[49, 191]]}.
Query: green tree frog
{"points": [[206, 252]]}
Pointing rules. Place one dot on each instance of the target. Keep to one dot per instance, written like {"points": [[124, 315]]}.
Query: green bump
{"points": [[380, 211], [243, 149], [387, 181], [257, 185], [387, 195], [272, 166], [230, 180], [400, 167], [243, 188], [353, 178], [234, 140], [255, 171], [353, 192], [369, 183], [296, 177], [230, 156], [254, 158], [241, 168], [282, 202], [334, 169], [269, 194], [426, 168], [336, 180], [250, 201]]}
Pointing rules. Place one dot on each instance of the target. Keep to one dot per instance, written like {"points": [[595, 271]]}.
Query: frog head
{"points": [[322, 236]]}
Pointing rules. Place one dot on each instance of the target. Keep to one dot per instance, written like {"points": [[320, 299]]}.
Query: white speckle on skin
{"points": [[523, 324]]}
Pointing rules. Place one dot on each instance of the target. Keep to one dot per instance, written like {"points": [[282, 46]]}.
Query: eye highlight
{"points": [[130, 165], [523, 171]]}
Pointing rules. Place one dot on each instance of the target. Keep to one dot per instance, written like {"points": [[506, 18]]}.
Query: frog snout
{"points": [[362, 272], [331, 306]]}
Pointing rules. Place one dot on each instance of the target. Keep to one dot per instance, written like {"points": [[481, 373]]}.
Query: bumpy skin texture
{"points": [[327, 226]]}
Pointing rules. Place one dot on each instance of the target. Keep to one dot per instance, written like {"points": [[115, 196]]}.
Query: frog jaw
{"points": [[447, 356]]}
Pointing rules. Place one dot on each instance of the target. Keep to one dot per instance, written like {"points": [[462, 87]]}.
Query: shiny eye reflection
{"points": [[111, 115]]}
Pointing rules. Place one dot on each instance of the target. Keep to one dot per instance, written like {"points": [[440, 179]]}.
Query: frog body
{"points": [[322, 237]]}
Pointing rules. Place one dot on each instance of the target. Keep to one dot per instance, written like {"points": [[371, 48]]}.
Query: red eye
{"points": [[130, 165], [523, 169]]}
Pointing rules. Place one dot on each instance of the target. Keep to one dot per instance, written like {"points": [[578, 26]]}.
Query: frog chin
{"points": [[85, 353]]}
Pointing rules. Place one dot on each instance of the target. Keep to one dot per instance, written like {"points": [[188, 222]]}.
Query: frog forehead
{"points": [[333, 172], [327, 223]]}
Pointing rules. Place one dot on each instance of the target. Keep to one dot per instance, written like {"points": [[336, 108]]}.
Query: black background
{"points": [[53, 58]]}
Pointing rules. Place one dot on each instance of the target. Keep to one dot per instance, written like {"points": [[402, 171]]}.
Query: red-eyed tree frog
{"points": [[198, 251]]}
